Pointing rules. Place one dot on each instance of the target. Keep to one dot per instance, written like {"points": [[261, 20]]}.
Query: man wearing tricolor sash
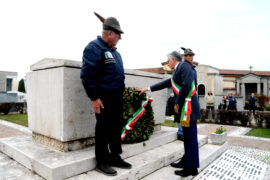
{"points": [[186, 106]]}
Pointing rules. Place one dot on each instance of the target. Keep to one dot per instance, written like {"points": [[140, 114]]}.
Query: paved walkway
{"points": [[237, 139], [6, 131], [246, 142]]}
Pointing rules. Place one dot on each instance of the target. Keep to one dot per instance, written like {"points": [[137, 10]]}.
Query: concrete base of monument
{"points": [[52, 164], [69, 145], [63, 146], [157, 127]]}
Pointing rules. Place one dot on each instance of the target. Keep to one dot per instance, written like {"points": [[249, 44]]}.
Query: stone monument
{"points": [[60, 113]]}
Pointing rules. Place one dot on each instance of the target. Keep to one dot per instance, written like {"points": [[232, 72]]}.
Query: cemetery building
{"points": [[244, 83], [8, 81], [239, 82], [8, 87]]}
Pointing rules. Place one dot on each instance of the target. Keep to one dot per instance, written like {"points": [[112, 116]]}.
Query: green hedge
{"points": [[267, 108]]}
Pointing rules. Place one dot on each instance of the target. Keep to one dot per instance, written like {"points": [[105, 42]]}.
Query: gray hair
{"points": [[176, 55]]}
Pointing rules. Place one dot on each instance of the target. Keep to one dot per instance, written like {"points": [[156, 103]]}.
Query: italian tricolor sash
{"points": [[186, 109], [135, 117], [175, 87]]}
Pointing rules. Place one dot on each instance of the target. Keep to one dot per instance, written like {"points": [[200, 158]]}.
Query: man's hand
{"points": [[141, 90], [96, 105], [176, 108]]}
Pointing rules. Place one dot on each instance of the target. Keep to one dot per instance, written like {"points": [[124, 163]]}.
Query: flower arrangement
{"points": [[218, 137], [219, 130]]}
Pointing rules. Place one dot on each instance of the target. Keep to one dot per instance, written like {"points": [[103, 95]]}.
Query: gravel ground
{"points": [[258, 154]]}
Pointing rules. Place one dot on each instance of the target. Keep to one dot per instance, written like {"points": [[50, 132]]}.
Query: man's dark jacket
{"points": [[232, 103], [102, 71], [252, 102], [183, 76]]}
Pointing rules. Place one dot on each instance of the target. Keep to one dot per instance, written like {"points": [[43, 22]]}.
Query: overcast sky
{"points": [[228, 34]]}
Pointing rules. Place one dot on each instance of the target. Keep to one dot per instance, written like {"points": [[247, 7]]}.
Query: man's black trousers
{"points": [[108, 130]]}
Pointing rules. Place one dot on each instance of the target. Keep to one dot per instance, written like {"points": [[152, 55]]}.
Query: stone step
{"points": [[52, 164], [208, 153], [145, 163]]}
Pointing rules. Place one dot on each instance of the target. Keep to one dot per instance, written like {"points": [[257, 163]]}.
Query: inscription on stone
{"points": [[234, 165]]}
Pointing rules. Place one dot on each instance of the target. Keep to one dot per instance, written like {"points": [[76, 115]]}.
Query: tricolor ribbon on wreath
{"points": [[135, 117], [186, 109]]}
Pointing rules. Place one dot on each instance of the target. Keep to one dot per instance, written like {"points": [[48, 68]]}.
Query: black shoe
{"points": [[120, 163], [180, 137], [105, 169], [178, 165], [187, 172]]}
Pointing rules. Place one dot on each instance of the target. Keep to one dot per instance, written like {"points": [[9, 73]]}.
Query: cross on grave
{"points": [[250, 68]]}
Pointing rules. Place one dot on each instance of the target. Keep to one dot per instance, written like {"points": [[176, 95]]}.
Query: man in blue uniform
{"points": [[190, 160], [103, 77], [183, 83]]}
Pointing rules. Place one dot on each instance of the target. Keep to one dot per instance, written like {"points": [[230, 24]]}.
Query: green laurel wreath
{"points": [[144, 127]]}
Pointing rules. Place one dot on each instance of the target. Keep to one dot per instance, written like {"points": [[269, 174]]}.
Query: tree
{"points": [[21, 87]]}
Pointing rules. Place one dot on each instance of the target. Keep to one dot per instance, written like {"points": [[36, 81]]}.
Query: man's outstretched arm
{"points": [[161, 85]]}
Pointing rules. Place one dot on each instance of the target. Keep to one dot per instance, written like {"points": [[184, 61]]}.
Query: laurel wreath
{"points": [[144, 127]]}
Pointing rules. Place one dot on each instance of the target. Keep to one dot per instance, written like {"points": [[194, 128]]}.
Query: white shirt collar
{"points": [[176, 66]]}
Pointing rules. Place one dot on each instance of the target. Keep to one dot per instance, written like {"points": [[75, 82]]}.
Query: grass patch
{"points": [[259, 132], [170, 124], [20, 119]]}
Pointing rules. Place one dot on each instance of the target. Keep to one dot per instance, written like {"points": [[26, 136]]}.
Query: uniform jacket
{"points": [[183, 76], [195, 75], [102, 70]]}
